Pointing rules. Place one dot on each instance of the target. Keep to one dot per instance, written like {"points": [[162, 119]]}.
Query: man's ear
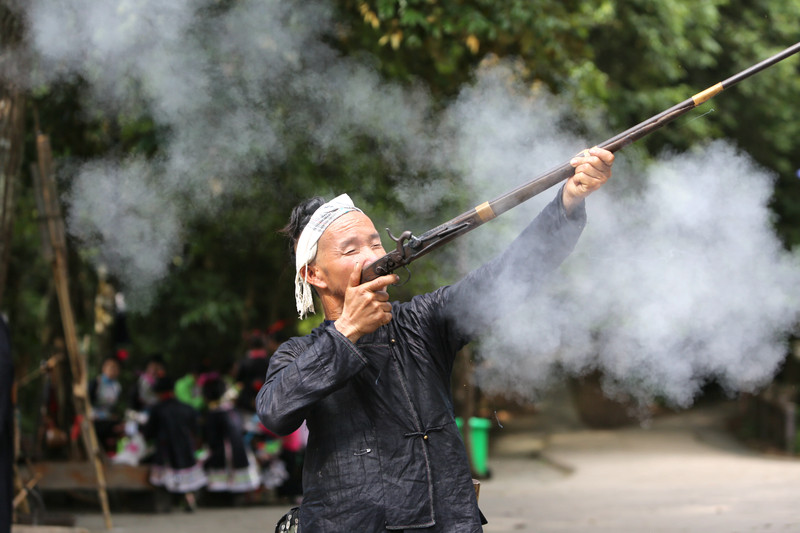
{"points": [[313, 274]]}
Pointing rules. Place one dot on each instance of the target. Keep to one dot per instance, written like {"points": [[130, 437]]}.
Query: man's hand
{"points": [[592, 170], [366, 306]]}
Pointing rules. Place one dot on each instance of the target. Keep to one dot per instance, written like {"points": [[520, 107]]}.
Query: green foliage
{"points": [[441, 40], [621, 61], [763, 114], [627, 60]]}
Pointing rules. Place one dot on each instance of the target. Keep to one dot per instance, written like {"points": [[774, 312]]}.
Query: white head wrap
{"points": [[307, 247]]}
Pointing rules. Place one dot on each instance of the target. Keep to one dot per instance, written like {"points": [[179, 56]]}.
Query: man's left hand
{"points": [[592, 170]]}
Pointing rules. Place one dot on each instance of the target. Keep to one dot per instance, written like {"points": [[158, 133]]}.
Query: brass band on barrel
{"points": [[485, 212], [702, 96]]}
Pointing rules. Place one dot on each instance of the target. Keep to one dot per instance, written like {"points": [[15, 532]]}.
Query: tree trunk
{"points": [[12, 130]]}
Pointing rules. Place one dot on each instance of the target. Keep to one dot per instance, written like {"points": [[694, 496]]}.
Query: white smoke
{"points": [[134, 226], [678, 279], [233, 89]]}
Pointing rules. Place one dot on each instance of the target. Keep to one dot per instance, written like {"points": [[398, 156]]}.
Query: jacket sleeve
{"points": [[482, 296], [303, 371]]}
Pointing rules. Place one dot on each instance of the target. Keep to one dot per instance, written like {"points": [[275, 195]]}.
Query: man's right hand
{"points": [[366, 306]]}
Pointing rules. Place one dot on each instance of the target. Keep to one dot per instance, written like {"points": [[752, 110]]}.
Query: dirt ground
{"points": [[683, 473], [677, 473]]}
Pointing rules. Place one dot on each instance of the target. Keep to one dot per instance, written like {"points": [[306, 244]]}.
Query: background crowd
{"points": [[197, 431]]}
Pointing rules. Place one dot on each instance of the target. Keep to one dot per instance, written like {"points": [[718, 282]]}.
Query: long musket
{"points": [[410, 247]]}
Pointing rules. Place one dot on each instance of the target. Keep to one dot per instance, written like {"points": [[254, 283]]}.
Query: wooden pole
{"points": [[25, 489], [46, 366], [44, 180]]}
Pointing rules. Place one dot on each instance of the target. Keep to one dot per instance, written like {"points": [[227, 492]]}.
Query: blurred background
{"points": [[150, 152]]}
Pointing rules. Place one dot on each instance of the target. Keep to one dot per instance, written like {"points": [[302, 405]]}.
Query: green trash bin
{"points": [[479, 439]]}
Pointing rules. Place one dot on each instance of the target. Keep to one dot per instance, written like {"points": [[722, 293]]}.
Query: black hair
{"points": [[164, 384], [256, 341], [298, 220], [213, 389]]}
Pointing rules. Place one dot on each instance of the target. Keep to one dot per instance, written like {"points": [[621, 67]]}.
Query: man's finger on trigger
{"points": [[381, 282]]}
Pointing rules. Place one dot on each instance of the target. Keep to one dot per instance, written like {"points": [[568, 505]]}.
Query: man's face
{"points": [[350, 239]]}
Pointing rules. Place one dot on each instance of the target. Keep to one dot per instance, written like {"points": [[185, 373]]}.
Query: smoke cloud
{"points": [[235, 89], [677, 280]]}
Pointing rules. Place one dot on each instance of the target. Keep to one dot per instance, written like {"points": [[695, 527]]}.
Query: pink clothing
{"points": [[296, 441]]}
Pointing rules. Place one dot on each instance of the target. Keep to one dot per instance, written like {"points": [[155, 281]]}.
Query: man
{"points": [[373, 381]]}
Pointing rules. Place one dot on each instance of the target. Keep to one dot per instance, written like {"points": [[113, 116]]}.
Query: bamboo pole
{"points": [[23, 493], [44, 181], [46, 366]]}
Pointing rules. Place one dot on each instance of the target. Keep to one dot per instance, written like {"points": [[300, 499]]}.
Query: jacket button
{"points": [[424, 437]]}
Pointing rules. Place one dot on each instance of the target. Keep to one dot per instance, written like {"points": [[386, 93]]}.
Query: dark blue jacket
{"points": [[384, 452]]}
